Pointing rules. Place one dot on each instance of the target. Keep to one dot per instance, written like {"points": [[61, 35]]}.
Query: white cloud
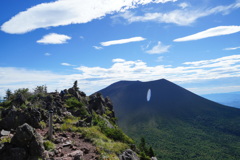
{"points": [[182, 17], [233, 48], [118, 60], [66, 12], [212, 32], [183, 5], [92, 79], [122, 41], [66, 64], [54, 38], [97, 47], [47, 54], [159, 48], [225, 67]]}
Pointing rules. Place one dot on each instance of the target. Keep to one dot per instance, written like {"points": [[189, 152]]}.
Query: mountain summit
{"points": [[175, 120]]}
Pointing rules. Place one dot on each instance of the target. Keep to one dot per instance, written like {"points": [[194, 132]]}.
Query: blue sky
{"points": [[195, 44]]}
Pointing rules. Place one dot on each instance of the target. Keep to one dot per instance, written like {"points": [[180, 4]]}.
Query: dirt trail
{"points": [[71, 146]]}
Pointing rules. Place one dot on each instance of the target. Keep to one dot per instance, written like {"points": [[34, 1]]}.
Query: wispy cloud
{"points": [[47, 54], [122, 41], [233, 48], [54, 38], [97, 47], [66, 64], [159, 48], [66, 12], [92, 79], [212, 32], [118, 60], [183, 5], [183, 17]]}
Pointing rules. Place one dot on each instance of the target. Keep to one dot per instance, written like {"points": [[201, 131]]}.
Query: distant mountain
{"points": [[176, 122], [230, 99]]}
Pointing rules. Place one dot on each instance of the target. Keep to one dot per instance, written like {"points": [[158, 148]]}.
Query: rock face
{"points": [[12, 118], [25, 144], [129, 155]]}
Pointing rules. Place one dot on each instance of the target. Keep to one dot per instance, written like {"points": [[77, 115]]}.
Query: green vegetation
{"points": [[145, 153], [178, 139], [108, 148], [5, 139], [40, 90], [48, 145], [42, 124], [73, 103], [114, 133], [109, 142]]}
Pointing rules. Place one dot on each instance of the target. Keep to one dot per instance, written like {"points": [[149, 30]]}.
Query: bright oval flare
{"points": [[149, 95]]}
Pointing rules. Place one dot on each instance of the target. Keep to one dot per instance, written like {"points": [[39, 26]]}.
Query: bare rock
{"points": [[129, 155]]}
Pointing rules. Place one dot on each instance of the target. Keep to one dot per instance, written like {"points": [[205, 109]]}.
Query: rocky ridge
{"points": [[24, 120]]}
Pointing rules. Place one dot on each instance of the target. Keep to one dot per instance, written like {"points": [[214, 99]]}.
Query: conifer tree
{"points": [[151, 152]]}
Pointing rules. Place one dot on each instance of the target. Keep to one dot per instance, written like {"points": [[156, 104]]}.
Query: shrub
{"points": [[73, 103], [5, 139], [48, 145], [42, 124], [113, 133]]}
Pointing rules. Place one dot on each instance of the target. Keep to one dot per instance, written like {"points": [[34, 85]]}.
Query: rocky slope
{"points": [[84, 127]]}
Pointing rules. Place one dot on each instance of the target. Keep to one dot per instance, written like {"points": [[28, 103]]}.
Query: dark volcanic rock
{"points": [[25, 144], [96, 103], [9, 152], [26, 137], [12, 118]]}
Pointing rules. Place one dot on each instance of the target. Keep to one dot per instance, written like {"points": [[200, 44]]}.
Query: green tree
{"points": [[42, 90], [22, 91], [9, 94], [151, 152], [142, 145]]}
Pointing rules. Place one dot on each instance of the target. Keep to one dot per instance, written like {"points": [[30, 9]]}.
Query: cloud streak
{"points": [[66, 64], [233, 48], [122, 41], [212, 32], [158, 49], [66, 12], [54, 38], [182, 17]]}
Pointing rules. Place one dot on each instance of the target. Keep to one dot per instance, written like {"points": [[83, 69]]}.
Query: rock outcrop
{"points": [[25, 144], [129, 155]]}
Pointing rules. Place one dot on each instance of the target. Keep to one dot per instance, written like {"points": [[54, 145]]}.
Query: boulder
{"points": [[5, 133], [8, 152], [26, 137], [129, 155], [154, 158], [96, 103]]}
